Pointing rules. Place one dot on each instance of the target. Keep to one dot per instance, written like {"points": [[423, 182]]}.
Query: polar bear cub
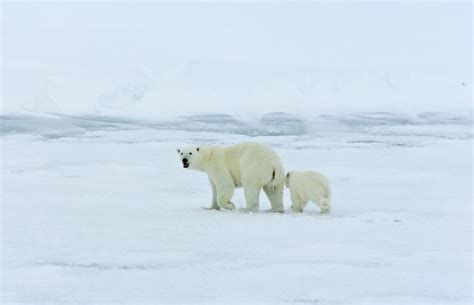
{"points": [[308, 186], [250, 165]]}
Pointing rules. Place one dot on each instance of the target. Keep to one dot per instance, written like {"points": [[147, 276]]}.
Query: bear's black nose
{"points": [[185, 160]]}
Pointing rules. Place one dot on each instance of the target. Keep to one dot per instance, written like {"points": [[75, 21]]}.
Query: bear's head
{"points": [[188, 156]]}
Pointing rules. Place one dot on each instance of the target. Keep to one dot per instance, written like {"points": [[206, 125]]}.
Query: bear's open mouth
{"points": [[185, 165]]}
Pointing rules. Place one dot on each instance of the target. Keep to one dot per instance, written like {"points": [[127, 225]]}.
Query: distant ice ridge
{"points": [[353, 130]]}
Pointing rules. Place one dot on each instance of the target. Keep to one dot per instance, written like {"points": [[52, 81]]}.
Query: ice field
{"points": [[96, 96], [97, 209]]}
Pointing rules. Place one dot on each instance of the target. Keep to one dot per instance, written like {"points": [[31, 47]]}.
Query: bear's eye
{"points": [[190, 153], [181, 154]]}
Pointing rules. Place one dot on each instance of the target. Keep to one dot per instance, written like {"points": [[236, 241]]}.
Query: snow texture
{"points": [[98, 209], [97, 96]]}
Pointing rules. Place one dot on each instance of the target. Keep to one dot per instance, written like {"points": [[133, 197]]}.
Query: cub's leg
{"points": [[323, 203], [297, 203]]}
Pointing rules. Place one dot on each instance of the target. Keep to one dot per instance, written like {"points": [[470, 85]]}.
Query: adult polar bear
{"points": [[250, 165]]}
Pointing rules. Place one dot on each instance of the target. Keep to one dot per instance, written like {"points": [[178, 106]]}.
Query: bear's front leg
{"points": [[214, 205], [224, 202], [225, 190]]}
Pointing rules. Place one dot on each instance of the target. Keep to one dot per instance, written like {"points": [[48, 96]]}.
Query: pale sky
{"points": [[43, 43]]}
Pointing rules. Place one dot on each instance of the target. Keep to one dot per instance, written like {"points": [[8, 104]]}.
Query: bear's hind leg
{"points": [[275, 195], [252, 194]]}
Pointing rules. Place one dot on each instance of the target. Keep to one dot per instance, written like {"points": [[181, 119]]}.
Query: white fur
{"points": [[250, 165], [308, 186]]}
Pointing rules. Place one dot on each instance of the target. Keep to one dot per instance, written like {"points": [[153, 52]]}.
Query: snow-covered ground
{"points": [[99, 209], [97, 96]]}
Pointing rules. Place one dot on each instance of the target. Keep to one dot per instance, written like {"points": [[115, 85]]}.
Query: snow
{"points": [[97, 96], [102, 211]]}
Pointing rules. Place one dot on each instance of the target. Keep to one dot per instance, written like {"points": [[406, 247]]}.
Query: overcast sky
{"points": [[433, 37], [306, 33]]}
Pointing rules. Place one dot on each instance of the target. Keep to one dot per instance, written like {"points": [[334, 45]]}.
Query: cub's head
{"points": [[287, 180], [188, 156]]}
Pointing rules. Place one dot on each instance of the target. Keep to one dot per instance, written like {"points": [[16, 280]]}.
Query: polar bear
{"points": [[250, 165], [308, 186]]}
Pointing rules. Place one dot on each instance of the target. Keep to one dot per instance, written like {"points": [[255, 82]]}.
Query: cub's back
{"points": [[307, 181]]}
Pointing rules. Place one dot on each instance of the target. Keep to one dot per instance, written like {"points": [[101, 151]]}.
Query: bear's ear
{"points": [[178, 150], [197, 149]]}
